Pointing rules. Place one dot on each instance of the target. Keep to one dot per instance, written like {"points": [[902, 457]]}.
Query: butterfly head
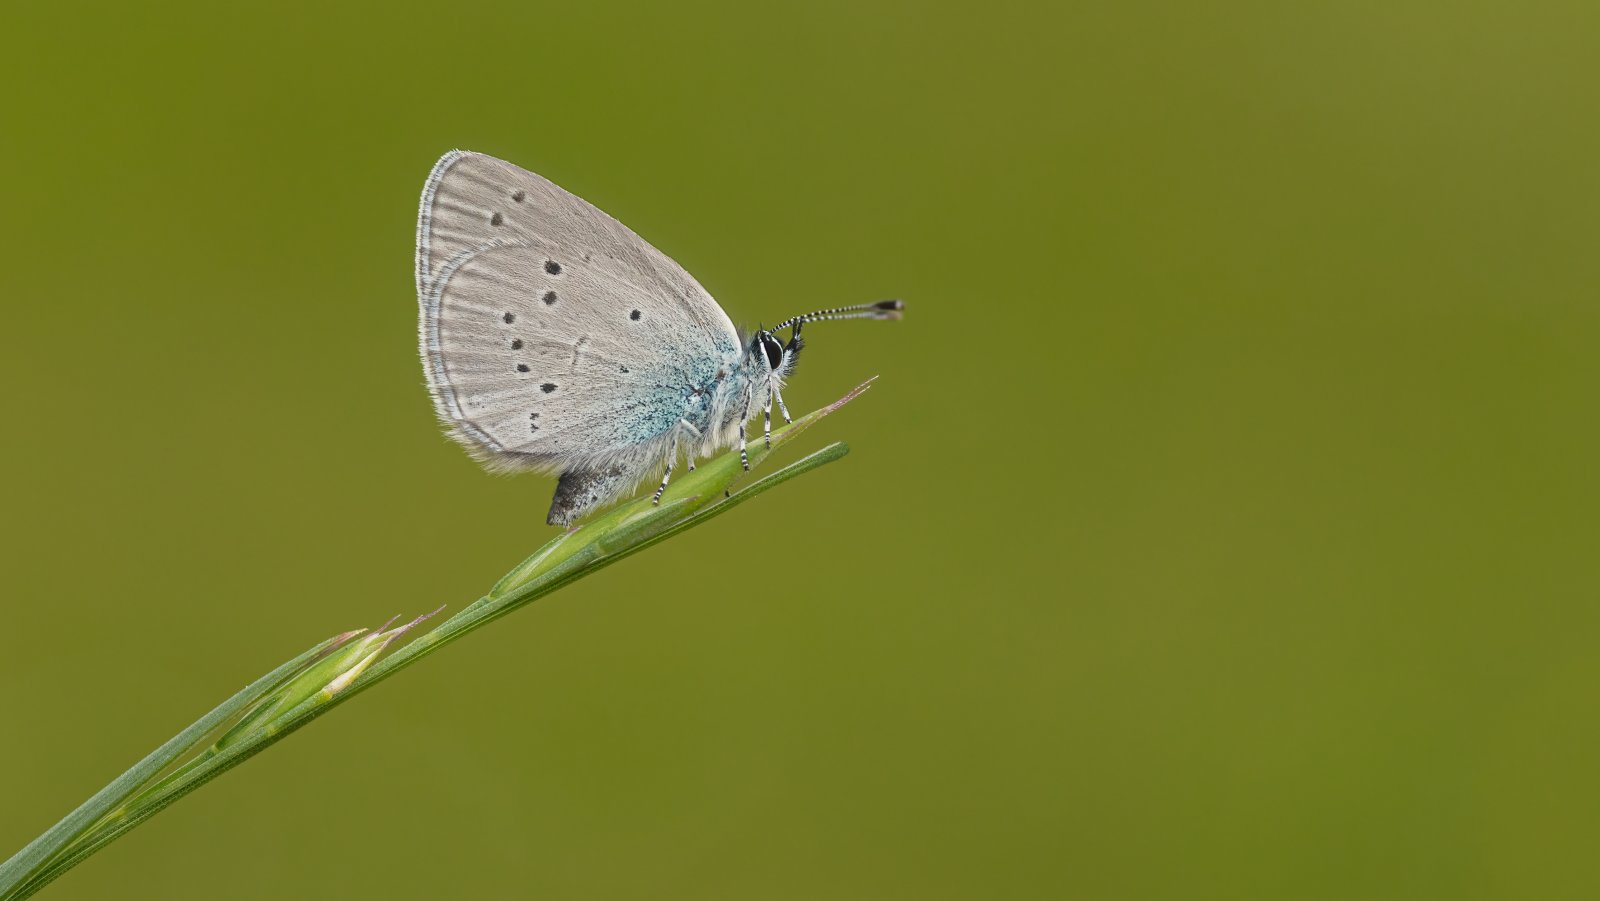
{"points": [[771, 355]]}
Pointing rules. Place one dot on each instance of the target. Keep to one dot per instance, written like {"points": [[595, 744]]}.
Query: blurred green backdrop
{"points": [[1222, 526]]}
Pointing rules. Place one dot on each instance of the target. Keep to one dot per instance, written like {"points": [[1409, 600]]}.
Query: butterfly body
{"points": [[555, 339]]}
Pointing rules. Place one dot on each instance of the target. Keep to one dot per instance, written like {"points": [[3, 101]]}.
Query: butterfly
{"points": [[555, 339]]}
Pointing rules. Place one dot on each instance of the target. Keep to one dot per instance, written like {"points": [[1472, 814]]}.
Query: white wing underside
{"points": [[551, 334]]}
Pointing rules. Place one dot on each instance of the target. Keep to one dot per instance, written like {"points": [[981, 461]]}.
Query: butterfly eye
{"points": [[773, 351]]}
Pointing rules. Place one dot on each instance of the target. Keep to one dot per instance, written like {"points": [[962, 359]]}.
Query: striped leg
{"points": [[766, 418], [749, 394], [695, 432], [667, 476], [656, 501], [782, 408]]}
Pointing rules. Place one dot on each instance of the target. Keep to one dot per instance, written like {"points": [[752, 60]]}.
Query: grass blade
{"points": [[38, 853]]}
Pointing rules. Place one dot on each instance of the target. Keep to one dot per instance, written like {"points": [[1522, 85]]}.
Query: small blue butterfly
{"points": [[556, 339]]}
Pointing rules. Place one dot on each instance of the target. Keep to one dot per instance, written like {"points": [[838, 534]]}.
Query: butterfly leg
{"points": [[749, 395], [693, 431], [666, 476], [782, 407], [766, 417]]}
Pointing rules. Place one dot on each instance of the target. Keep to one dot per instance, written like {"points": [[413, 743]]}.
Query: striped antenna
{"points": [[883, 309]]}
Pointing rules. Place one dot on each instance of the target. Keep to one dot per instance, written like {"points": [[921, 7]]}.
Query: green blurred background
{"points": [[1222, 525]]}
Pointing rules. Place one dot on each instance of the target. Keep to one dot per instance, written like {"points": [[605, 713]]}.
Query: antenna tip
{"points": [[888, 309]]}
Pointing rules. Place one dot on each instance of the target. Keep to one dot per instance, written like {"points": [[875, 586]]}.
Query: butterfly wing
{"points": [[552, 335]]}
